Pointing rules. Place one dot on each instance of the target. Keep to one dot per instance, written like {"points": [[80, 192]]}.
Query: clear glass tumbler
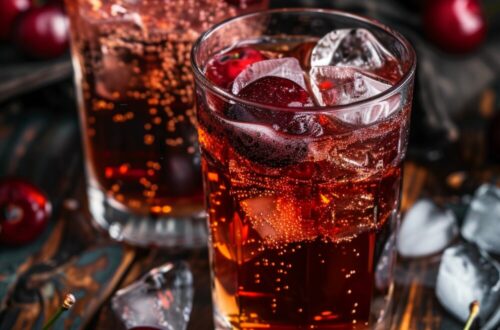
{"points": [[135, 96], [301, 161]]}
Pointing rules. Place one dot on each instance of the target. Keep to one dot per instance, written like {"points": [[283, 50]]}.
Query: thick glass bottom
{"points": [[188, 231]]}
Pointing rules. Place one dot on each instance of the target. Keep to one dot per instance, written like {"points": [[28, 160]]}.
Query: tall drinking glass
{"points": [[301, 159], [135, 97]]}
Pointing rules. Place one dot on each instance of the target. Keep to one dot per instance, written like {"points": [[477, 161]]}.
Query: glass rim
{"points": [[394, 89]]}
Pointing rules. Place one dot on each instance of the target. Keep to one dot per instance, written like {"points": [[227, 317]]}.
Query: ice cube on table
{"points": [[426, 229], [482, 220], [466, 274], [288, 68], [162, 298], [342, 85], [352, 48]]}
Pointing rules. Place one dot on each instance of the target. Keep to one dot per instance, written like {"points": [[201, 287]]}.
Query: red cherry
{"points": [[276, 91], [24, 212], [223, 68], [454, 25], [43, 32], [272, 144], [9, 10]]}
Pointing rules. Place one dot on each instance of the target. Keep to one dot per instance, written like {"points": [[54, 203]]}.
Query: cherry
{"points": [[273, 142], [222, 69], [456, 26], [43, 32], [25, 211], [9, 11], [276, 91]]}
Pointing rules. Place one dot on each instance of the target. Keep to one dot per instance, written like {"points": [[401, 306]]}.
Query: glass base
{"points": [[142, 230]]}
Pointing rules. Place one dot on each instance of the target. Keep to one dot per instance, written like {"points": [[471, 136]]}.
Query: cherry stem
{"points": [[68, 302], [474, 312]]}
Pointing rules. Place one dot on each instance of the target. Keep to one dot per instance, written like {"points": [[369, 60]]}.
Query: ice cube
{"points": [[163, 298], [466, 274], [278, 220], [288, 68], [114, 76], [353, 48], [338, 85], [482, 220], [426, 229]]}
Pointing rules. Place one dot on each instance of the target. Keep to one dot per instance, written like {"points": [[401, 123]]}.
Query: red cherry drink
{"points": [[135, 93], [302, 199]]}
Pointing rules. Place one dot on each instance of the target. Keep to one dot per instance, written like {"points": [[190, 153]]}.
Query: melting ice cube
{"points": [[341, 85], [351, 47], [337, 85], [278, 220], [466, 274], [482, 220], [426, 229], [288, 68], [163, 298]]}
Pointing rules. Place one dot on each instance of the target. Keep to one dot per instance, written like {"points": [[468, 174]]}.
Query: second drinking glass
{"points": [[135, 97]]}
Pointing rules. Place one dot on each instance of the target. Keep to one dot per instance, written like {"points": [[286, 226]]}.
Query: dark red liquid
{"points": [[301, 224], [140, 127], [137, 99]]}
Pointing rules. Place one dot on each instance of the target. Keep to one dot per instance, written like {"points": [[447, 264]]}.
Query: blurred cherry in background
{"points": [[24, 212], [456, 26], [39, 30]]}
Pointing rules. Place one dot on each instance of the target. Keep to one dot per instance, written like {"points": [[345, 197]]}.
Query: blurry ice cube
{"points": [[114, 76], [467, 274], [426, 229], [288, 67], [163, 298], [482, 220], [338, 85], [351, 47]]}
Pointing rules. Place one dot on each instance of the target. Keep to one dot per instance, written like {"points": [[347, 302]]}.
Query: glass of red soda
{"points": [[135, 93], [303, 125]]}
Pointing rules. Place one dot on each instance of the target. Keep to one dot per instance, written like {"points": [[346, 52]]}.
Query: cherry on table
{"points": [[43, 32], [24, 212], [456, 26], [223, 68]]}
